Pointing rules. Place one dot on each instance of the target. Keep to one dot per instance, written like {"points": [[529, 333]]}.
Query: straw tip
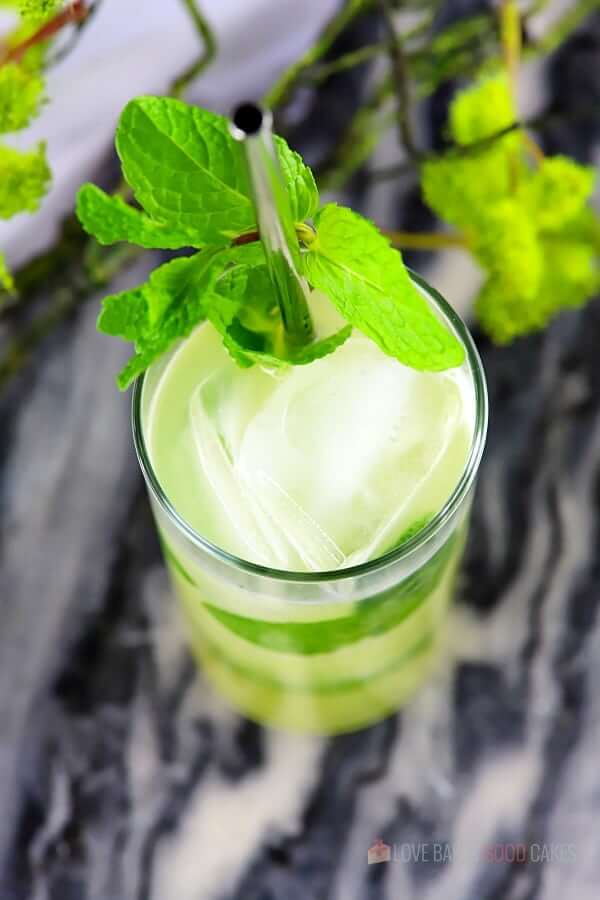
{"points": [[248, 119]]}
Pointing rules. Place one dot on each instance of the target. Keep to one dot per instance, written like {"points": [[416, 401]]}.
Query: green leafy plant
{"points": [[526, 218], [25, 174], [189, 177]]}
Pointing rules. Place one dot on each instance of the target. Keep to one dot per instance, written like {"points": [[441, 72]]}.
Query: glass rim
{"points": [[405, 550]]}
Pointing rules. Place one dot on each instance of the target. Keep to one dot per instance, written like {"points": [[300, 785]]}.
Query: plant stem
{"points": [[359, 140], [510, 34], [346, 61], [404, 168], [426, 240], [560, 30], [353, 58], [61, 53], [436, 240], [533, 148], [355, 146], [362, 135], [209, 52], [510, 30], [400, 75], [250, 237], [457, 150], [536, 7], [75, 12], [282, 89]]}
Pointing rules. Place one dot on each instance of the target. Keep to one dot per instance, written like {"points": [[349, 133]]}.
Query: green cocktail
{"points": [[309, 418], [312, 518]]}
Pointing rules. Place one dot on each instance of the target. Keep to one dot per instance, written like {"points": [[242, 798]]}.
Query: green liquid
{"points": [[308, 470]]}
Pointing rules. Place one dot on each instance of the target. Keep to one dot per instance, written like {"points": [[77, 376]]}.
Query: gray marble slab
{"points": [[124, 777]]}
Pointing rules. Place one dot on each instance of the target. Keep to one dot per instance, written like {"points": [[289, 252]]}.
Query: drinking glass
{"points": [[320, 652]]}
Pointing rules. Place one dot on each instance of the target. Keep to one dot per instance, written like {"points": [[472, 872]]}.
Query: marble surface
{"points": [[123, 777]]}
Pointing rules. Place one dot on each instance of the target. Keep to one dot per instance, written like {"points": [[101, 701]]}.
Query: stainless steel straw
{"points": [[253, 127]]}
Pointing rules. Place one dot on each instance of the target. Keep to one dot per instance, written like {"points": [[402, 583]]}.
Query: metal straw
{"points": [[253, 127]]}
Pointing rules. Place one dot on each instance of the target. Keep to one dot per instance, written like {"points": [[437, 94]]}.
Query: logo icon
{"points": [[379, 853]]}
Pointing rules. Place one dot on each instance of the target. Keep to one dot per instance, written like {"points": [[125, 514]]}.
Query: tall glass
{"points": [[320, 652]]}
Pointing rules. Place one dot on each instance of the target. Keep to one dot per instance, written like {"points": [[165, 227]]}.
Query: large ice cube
{"points": [[325, 465]]}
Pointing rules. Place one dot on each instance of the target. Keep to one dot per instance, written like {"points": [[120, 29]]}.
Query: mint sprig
{"points": [[366, 280], [188, 177]]}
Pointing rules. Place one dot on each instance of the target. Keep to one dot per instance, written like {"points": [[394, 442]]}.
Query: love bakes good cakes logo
{"points": [[444, 852]]}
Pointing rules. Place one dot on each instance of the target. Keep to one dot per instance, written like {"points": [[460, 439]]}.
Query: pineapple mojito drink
{"points": [[312, 469]]}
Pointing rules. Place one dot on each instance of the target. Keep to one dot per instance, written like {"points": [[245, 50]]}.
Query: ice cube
{"points": [[217, 416], [309, 467], [348, 452]]}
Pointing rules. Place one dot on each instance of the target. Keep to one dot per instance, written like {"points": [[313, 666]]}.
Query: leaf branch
{"points": [[511, 40], [400, 75], [283, 88], [208, 54], [560, 30], [343, 63], [321, 72], [76, 11]]}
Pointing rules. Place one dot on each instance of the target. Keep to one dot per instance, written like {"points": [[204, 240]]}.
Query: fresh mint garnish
{"points": [[365, 278], [156, 314], [110, 219], [189, 178], [186, 171], [245, 312]]}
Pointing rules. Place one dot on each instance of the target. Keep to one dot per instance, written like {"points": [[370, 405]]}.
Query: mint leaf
{"points": [[175, 299], [365, 278], [186, 170], [258, 307], [302, 189], [110, 219], [167, 308], [244, 311], [238, 342], [125, 315], [323, 347]]}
